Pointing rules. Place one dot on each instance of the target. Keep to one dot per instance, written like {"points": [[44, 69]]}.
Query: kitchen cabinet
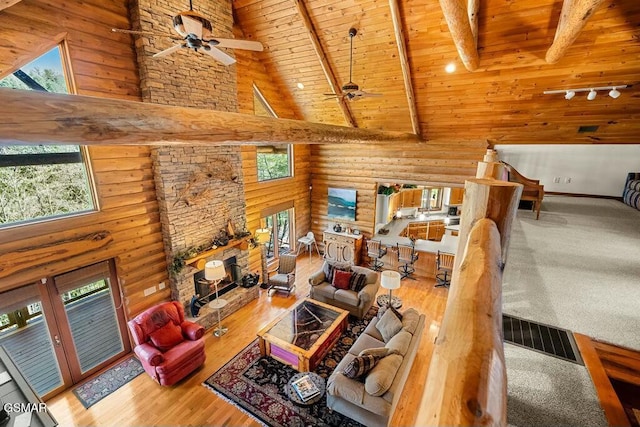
{"points": [[342, 247], [394, 205], [457, 196], [411, 198]]}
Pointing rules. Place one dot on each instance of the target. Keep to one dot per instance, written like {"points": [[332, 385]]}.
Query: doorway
{"points": [[282, 228], [65, 328]]}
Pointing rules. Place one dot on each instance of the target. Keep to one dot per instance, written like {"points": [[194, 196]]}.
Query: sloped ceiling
{"points": [[501, 102]]}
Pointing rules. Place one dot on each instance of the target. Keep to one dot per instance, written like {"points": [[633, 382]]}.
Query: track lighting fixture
{"points": [[593, 91], [614, 93]]}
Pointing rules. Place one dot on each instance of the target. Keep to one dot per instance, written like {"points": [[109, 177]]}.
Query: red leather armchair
{"points": [[168, 346]]}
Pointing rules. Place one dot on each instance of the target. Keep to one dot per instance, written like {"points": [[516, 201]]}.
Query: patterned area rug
{"points": [[256, 384], [109, 381]]}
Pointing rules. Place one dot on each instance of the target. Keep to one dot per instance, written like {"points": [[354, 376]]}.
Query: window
{"points": [[432, 198], [46, 181], [273, 161]]}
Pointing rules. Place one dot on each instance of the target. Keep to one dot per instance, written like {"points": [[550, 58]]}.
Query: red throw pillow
{"points": [[341, 279], [167, 337]]}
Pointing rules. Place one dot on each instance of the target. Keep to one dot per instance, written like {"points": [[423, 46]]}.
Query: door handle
{"points": [[57, 340]]}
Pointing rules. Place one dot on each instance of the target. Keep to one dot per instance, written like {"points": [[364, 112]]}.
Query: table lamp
{"points": [[390, 280], [214, 272], [262, 236]]}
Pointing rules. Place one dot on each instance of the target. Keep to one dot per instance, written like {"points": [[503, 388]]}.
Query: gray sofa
{"points": [[351, 397], [357, 303]]}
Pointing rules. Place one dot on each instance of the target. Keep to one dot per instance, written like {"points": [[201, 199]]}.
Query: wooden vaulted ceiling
{"points": [[501, 102]]}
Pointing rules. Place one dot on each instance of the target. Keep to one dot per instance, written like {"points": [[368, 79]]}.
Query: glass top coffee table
{"points": [[303, 335]]}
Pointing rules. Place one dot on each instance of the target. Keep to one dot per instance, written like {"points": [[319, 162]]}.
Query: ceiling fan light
{"points": [[569, 94], [614, 93], [592, 95]]}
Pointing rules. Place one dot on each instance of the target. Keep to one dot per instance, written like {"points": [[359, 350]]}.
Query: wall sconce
{"points": [[593, 91]]}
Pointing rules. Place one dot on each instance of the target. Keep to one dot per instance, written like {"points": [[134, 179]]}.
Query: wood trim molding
{"points": [[324, 63], [607, 396], [47, 118], [398, 28], [573, 17], [457, 17]]}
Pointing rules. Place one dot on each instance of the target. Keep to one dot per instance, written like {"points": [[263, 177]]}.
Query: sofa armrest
{"points": [[192, 331], [316, 278], [368, 293], [149, 354]]}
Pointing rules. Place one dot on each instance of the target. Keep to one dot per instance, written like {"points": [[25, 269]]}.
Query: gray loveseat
{"points": [[351, 397], [357, 303]]}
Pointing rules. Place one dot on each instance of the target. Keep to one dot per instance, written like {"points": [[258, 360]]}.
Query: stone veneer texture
{"points": [[194, 185]]}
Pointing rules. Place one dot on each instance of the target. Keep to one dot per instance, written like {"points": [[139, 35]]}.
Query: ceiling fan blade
{"points": [[219, 55], [238, 44], [168, 51], [192, 26], [371, 95]]}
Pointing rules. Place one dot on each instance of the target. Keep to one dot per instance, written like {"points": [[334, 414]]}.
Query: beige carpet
{"points": [[577, 268]]}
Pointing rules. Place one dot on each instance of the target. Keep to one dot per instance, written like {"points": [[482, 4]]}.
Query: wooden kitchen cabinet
{"points": [[342, 247], [457, 196], [411, 198]]}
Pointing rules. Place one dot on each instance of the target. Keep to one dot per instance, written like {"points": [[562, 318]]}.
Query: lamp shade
{"points": [[214, 270], [262, 235], [390, 279]]}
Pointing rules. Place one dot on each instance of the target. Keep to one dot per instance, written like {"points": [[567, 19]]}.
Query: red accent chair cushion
{"points": [[168, 346]]}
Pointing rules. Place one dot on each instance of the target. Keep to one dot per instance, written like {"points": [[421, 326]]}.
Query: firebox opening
{"points": [[206, 292]]}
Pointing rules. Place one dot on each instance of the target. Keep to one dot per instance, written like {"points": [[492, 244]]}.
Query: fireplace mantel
{"points": [[200, 260]]}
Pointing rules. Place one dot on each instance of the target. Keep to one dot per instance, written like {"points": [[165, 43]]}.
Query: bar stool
{"points": [[407, 256], [375, 251]]}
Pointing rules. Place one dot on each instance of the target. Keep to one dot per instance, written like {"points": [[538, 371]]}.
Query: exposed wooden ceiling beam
{"points": [[573, 17], [324, 63], [404, 63], [7, 3], [48, 118], [473, 6], [458, 20]]}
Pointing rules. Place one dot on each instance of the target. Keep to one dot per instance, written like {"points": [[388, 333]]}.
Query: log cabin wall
{"points": [[103, 64], [264, 195], [362, 167]]}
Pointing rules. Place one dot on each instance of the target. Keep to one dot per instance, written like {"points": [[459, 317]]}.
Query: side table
{"points": [[293, 396], [383, 301]]}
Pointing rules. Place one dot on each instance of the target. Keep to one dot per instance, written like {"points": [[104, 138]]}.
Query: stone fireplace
{"points": [[200, 190]]}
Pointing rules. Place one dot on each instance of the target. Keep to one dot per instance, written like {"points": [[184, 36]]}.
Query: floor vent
{"points": [[541, 338]]}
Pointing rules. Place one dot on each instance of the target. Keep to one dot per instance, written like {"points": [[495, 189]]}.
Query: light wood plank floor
{"points": [[142, 402]]}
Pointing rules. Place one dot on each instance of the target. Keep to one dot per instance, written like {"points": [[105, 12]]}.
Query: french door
{"points": [[282, 228], [65, 328]]}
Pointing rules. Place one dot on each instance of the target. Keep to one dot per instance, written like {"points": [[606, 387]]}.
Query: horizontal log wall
{"points": [[362, 167], [262, 195], [103, 65]]}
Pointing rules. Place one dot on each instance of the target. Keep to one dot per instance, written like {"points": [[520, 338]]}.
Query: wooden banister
{"points": [[466, 384]]}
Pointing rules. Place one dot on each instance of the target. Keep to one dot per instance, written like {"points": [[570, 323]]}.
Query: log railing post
{"points": [[466, 384]]}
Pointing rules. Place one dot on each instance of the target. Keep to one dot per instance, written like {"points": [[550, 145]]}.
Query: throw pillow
{"points": [[341, 279], [359, 366], [388, 325], [329, 269], [399, 343], [377, 352], [382, 375], [358, 281], [167, 337], [410, 320]]}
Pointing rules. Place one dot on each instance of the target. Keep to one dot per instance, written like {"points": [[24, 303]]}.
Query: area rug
{"points": [[109, 381], [256, 384]]}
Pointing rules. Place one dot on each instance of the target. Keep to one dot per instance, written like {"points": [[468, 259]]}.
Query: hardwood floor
{"points": [[142, 402]]}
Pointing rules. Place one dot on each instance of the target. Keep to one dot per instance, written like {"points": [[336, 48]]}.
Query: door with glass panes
{"points": [[65, 328]]}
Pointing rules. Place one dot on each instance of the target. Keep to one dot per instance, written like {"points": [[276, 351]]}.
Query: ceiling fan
{"points": [[351, 91], [196, 33]]}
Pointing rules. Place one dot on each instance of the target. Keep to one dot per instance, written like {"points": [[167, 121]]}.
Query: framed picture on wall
{"points": [[342, 204]]}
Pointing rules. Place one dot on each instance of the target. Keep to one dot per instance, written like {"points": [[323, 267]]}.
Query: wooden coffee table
{"points": [[303, 335]]}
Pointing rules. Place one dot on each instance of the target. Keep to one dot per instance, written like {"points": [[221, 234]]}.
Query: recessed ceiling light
{"points": [[300, 86], [450, 68]]}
